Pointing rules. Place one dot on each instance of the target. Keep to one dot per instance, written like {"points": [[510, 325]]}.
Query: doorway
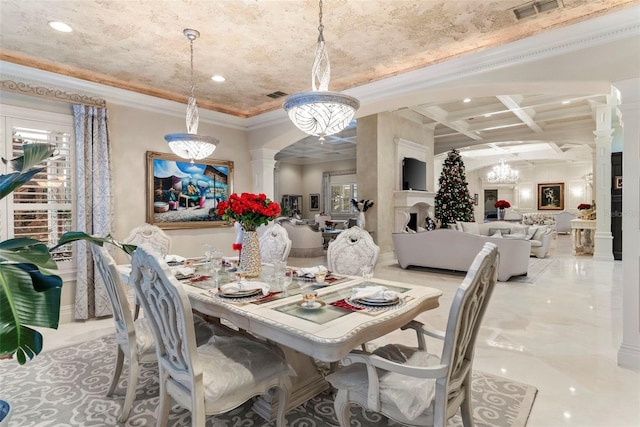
{"points": [[490, 198]]}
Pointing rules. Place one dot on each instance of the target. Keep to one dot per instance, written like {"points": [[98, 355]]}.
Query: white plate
{"points": [[240, 294], [316, 305]]}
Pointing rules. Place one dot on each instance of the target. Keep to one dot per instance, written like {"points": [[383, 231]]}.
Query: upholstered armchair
{"points": [[305, 241]]}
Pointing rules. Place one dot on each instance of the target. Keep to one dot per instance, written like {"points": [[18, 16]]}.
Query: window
{"points": [[341, 195], [43, 208]]}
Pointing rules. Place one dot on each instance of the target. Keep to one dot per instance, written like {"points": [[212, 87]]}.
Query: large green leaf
{"points": [[27, 297], [24, 166]]}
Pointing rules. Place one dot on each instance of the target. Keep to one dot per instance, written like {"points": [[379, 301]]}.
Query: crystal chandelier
{"points": [[190, 145], [321, 112], [502, 174]]}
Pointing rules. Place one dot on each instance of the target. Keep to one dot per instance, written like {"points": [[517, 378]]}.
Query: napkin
{"points": [[311, 271], [234, 287], [374, 292], [174, 258], [184, 271]]}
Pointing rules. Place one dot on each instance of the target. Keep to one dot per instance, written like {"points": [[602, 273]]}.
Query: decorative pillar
{"points": [[262, 166], [603, 241], [629, 352]]}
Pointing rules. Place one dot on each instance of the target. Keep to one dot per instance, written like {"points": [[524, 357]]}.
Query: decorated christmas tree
{"points": [[453, 202]]}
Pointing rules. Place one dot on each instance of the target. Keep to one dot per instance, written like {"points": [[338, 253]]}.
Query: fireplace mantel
{"points": [[407, 202], [408, 198]]}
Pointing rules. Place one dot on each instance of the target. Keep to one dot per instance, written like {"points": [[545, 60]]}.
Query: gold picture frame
{"points": [[551, 196], [183, 195]]}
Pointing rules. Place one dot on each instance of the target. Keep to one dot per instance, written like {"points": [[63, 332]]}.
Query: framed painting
{"points": [[181, 194], [551, 196], [314, 202]]}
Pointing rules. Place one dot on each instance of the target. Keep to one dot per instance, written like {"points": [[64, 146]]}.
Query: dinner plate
{"points": [[316, 305], [240, 294], [376, 302]]}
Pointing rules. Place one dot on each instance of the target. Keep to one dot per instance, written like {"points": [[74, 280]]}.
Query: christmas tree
{"points": [[453, 202]]}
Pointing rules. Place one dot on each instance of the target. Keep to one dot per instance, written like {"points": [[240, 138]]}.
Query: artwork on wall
{"points": [[314, 202], [551, 196], [181, 194]]}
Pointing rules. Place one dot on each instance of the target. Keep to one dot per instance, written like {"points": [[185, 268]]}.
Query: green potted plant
{"points": [[30, 289]]}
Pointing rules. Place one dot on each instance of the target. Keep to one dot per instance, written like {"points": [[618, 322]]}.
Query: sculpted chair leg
{"points": [[342, 407], [134, 369], [164, 406], [117, 371], [465, 409]]}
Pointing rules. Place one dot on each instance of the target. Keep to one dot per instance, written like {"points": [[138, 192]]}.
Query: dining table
{"points": [[308, 336]]}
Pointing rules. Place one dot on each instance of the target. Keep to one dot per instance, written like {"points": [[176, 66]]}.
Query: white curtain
{"points": [[93, 214]]}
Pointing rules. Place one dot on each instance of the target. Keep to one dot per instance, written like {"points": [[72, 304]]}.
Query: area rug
{"points": [[537, 267], [66, 387]]}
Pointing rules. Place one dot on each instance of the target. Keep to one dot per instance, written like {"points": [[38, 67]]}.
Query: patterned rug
{"points": [[536, 268], [67, 387]]}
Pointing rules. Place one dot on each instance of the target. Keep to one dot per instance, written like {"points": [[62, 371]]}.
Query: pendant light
{"points": [[190, 145], [320, 112]]}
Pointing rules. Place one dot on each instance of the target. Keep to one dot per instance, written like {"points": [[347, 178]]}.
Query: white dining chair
{"points": [[215, 377], [134, 339], [275, 244], [149, 234], [410, 385], [351, 250]]}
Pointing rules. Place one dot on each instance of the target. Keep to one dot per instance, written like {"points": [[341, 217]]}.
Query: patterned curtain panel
{"points": [[93, 213]]}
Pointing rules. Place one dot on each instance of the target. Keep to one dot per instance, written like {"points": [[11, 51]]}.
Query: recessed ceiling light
{"points": [[60, 26], [488, 115], [218, 78], [466, 100], [566, 102]]}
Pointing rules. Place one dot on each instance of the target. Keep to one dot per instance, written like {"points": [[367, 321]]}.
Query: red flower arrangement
{"points": [[584, 206], [502, 204], [250, 210]]}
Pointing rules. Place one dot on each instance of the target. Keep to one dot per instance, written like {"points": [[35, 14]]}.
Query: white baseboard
{"points": [[629, 357]]}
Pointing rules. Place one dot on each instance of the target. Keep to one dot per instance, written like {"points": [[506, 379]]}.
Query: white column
{"points": [[629, 352], [262, 165], [603, 241]]}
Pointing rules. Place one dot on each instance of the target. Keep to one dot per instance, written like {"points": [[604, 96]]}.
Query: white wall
{"points": [[523, 196]]}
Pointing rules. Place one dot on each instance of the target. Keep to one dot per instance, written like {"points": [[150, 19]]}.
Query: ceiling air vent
{"points": [[276, 94], [535, 7]]}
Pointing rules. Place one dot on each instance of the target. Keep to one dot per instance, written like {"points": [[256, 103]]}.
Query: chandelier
{"points": [[190, 145], [502, 174], [320, 112]]}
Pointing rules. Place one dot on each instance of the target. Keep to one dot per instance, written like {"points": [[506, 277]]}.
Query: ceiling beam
{"points": [[514, 106]]}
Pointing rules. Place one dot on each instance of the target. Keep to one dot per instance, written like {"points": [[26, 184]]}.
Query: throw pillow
{"points": [[471, 227], [515, 236], [502, 231], [539, 232], [517, 229], [430, 224], [497, 234], [531, 231]]}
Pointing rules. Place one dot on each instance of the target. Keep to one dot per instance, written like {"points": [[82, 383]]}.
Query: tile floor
{"points": [[560, 334]]}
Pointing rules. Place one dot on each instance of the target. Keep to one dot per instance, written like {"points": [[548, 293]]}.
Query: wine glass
{"points": [[216, 264], [367, 273], [207, 250]]}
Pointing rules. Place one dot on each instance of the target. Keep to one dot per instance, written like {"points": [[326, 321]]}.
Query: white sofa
{"points": [[305, 241], [453, 250], [540, 239]]}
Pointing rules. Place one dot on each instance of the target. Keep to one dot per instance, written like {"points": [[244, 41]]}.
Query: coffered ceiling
{"points": [[266, 46]]}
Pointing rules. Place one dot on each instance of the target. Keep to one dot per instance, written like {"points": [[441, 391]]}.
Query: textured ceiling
{"points": [[261, 46]]}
